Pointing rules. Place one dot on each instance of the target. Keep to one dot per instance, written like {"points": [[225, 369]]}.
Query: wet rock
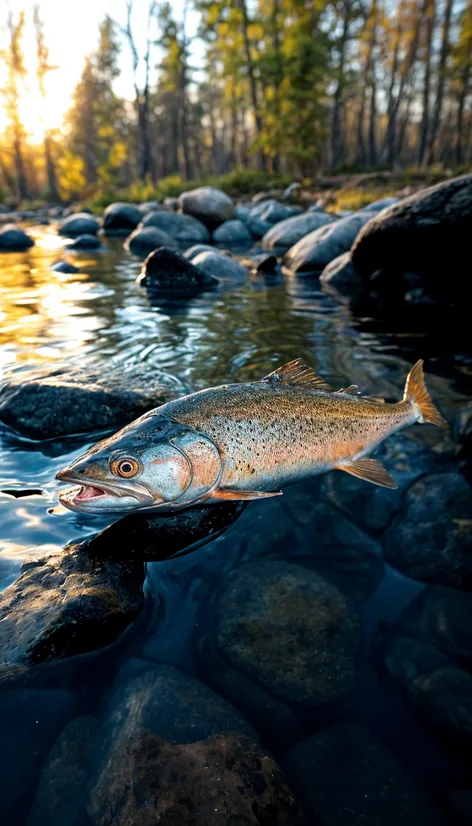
{"points": [[347, 777], [85, 242], [221, 267], [209, 205], [167, 272], [340, 275], [266, 263], [443, 699], [192, 252], [418, 233], [317, 249], [261, 205], [218, 781], [275, 212], [242, 212], [431, 538], [45, 405], [181, 227], [286, 233], [62, 793], [441, 617], [257, 227], [377, 206], [144, 240], [67, 604], [171, 203], [80, 223], [171, 704], [407, 658], [232, 232], [290, 630], [291, 190], [30, 720], [65, 267], [150, 206], [121, 218], [13, 239]]}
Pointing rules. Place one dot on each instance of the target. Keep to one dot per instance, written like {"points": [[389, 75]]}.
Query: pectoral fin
{"points": [[371, 470], [226, 494]]}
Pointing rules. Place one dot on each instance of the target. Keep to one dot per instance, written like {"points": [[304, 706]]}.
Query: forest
{"points": [[285, 89]]}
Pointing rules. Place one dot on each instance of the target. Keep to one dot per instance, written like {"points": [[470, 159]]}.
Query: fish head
{"points": [[154, 463]]}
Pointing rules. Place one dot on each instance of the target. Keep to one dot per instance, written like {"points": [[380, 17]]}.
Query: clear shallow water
{"points": [[100, 316]]}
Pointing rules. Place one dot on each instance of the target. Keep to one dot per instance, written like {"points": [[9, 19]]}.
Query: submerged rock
{"points": [[67, 604], [13, 239], [65, 267], [121, 218], [85, 242], [317, 249], [168, 273], [209, 205], [232, 232], [347, 778], [222, 267], [144, 240], [65, 402], [81, 223], [431, 538], [178, 226], [441, 617], [290, 630], [286, 233]]}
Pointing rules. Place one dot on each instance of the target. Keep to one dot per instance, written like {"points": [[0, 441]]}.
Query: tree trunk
{"points": [[337, 142], [53, 193], [441, 82], [429, 15], [252, 81]]}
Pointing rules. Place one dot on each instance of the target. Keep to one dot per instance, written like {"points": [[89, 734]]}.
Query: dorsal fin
{"points": [[297, 373], [352, 390]]}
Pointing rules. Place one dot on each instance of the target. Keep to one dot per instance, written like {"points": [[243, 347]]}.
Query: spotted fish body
{"points": [[244, 441]]}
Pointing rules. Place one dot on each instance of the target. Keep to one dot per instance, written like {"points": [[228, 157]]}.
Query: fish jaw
{"points": [[102, 497]]}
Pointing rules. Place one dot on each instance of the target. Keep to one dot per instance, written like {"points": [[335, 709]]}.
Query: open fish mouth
{"points": [[85, 496]]}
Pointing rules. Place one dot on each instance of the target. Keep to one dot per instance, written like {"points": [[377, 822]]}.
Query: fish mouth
{"points": [[85, 496]]}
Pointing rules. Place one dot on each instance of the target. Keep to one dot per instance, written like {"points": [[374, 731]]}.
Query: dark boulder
{"points": [[168, 273], [13, 239], [121, 218], [347, 778], [44, 405], [80, 223], [209, 205], [67, 604], [181, 227], [84, 242], [144, 240]]}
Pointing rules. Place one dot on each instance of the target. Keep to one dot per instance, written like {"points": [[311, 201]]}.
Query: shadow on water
{"points": [[270, 621]]}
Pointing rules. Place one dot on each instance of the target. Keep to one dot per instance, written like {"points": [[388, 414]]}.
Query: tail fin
{"points": [[416, 392]]}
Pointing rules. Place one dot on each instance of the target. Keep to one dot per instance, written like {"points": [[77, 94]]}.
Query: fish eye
{"points": [[124, 467]]}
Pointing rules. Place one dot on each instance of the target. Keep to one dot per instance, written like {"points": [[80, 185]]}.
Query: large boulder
{"points": [[80, 223], [258, 227], [67, 604], [290, 630], [121, 218], [339, 277], [286, 233], [431, 538], [13, 239], [232, 232], [221, 267], [377, 206], [317, 249], [348, 778], [47, 405], [275, 212], [209, 205], [144, 240], [168, 274], [178, 226]]}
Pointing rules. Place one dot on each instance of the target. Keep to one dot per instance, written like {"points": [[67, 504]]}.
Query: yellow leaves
{"points": [[71, 175], [117, 154]]}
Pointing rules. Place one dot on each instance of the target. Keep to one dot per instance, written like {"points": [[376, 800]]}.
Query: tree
{"points": [[43, 67], [16, 72]]}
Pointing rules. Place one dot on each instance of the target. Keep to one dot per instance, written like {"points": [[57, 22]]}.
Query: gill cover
{"points": [[203, 469]]}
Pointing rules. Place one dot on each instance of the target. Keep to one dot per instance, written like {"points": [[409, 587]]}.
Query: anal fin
{"points": [[227, 494], [371, 470]]}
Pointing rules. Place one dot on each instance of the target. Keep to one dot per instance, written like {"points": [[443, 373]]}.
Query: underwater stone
{"points": [[289, 629], [431, 538], [67, 604], [64, 402], [443, 618], [347, 778], [443, 699], [64, 266]]}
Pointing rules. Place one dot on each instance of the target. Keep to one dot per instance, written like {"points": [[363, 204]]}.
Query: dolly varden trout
{"points": [[242, 441]]}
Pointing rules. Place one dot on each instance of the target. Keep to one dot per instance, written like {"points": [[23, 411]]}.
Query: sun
{"points": [[40, 114]]}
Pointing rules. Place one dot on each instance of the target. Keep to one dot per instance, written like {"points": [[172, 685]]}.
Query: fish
{"points": [[244, 442]]}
